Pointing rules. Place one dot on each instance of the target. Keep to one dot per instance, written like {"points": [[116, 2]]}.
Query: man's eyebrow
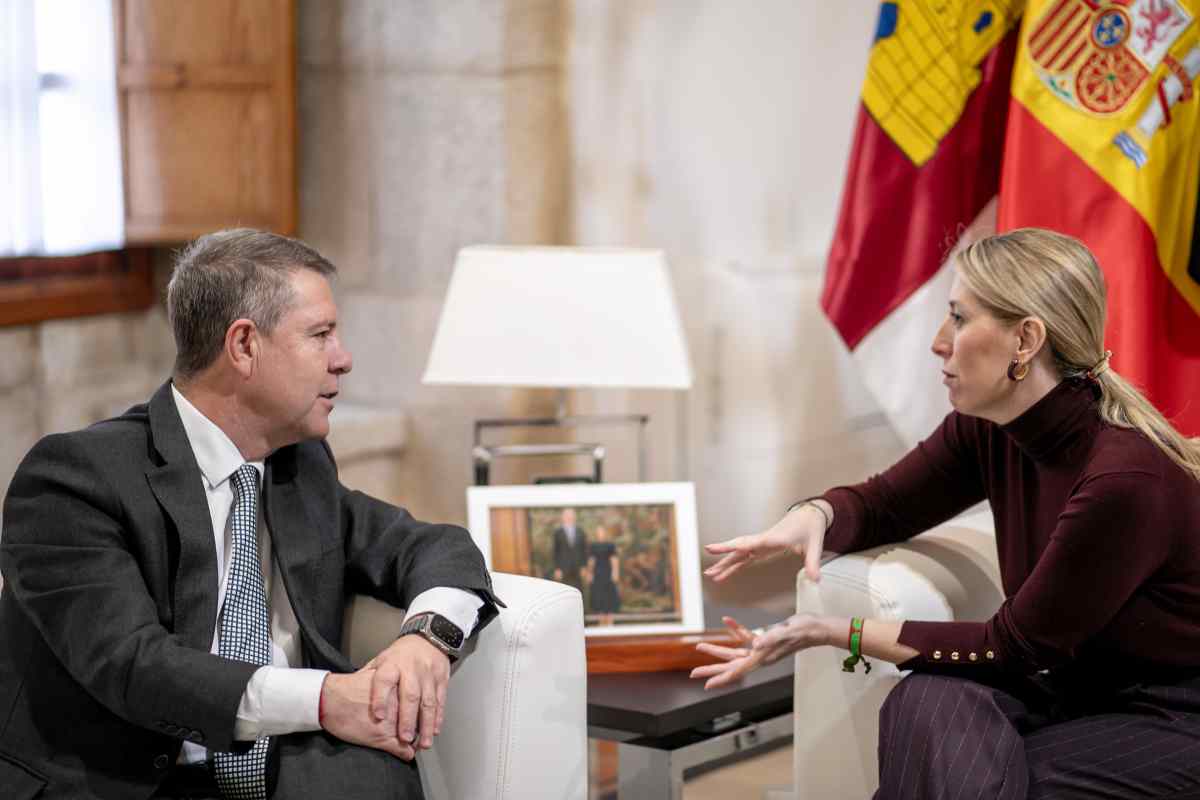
{"points": [[331, 324]]}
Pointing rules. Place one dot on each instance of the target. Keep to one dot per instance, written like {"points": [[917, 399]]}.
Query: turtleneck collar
{"points": [[1053, 423]]}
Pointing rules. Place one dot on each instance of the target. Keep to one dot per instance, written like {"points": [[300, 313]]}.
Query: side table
{"points": [[666, 723]]}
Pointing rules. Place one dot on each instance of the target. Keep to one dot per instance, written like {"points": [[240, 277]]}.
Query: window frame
{"points": [[38, 288]]}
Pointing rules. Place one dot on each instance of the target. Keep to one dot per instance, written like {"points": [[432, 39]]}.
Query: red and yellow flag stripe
{"points": [[1103, 142]]}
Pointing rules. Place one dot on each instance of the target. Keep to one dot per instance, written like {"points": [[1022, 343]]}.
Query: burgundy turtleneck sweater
{"points": [[1097, 532]]}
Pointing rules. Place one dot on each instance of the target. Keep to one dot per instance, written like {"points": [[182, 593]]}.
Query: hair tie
{"points": [[1101, 365]]}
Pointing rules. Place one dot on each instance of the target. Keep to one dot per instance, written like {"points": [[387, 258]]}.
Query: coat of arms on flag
{"points": [[1097, 58]]}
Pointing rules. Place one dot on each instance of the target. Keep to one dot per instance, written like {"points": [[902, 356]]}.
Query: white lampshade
{"points": [[560, 317]]}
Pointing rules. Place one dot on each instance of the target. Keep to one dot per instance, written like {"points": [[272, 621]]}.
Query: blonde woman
{"points": [[604, 571], [1086, 682]]}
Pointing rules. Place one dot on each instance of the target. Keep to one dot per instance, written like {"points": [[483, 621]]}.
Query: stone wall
{"points": [[64, 374], [425, 127]]}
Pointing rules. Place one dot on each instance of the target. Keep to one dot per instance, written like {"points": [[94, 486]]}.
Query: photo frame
{"points": [[632, 549]]}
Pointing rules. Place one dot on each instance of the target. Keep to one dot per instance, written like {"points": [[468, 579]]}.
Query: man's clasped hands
{"points": [[395, 703]]}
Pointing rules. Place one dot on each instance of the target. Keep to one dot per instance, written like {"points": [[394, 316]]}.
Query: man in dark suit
{"points": [[570, 551], [174, 578]]}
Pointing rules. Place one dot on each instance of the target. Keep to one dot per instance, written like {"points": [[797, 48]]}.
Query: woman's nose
{"points": [[941, 342]]}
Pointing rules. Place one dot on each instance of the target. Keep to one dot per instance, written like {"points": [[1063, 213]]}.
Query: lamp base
{"points": [[484, 454], [547, 480]]}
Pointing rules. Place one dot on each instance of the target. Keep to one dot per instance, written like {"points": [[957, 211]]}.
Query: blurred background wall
{"points": [[716, 131]]}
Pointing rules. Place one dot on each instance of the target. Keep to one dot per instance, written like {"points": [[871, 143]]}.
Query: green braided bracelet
{"points": [[856, 628]]}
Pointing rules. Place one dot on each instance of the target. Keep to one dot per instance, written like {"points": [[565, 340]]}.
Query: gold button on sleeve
{"points": [[973, 656], [937, 655], [991, 656], [954, 656]]}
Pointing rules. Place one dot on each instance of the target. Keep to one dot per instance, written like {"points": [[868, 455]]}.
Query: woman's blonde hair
{"points": [[1032, 272]]}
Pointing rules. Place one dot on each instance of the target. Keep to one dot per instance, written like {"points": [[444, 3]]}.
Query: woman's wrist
{"points": [[833, 631], [839, 632], [817, 508]]}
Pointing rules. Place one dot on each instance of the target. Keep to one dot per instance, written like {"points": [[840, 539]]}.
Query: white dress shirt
{"points": [[281, 698]]}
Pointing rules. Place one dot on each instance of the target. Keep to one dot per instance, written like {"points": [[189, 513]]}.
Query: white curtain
{"points": [[60, 150]]}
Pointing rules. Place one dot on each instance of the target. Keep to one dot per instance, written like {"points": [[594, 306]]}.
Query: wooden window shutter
{"points": [[207, 99]]}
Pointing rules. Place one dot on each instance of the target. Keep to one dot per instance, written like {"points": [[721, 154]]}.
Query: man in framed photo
{"points": [[570, 551]]}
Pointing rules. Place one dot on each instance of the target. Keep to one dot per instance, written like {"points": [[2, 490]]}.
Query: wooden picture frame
{"points": [[635, 546]]}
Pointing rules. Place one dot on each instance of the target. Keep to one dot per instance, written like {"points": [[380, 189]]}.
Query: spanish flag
{"points": [[1103, 143], [1074, 115]]}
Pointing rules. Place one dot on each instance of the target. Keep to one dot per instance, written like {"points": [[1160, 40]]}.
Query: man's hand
{"points": [[414, 674], [345, 713]]}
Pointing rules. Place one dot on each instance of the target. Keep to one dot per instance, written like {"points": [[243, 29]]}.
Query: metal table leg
{"points": [[646, 772]]}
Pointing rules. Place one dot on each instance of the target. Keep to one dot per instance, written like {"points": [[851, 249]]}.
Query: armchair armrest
{"points": [[519, 694], [946, 574]]}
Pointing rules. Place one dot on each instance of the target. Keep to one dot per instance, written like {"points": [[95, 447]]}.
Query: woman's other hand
{"points": [[755, 648], [801, 531]]}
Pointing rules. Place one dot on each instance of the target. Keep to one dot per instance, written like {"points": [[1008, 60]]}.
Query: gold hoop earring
{"points": [[1017, 371]]}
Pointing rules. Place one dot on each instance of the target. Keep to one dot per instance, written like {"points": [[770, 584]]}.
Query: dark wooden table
{"points": [[654, 705]]}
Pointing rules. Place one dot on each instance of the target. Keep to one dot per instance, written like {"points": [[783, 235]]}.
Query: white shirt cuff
{"points": [[457, 605], [279, 700]]}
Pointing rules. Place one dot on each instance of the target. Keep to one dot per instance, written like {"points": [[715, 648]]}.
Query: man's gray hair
{"points": [[231, 275]]}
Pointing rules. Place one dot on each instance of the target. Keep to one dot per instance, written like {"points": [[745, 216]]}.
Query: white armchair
{"points": [[946, 574], [516, 715]]}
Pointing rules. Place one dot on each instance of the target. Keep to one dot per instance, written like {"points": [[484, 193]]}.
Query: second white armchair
{"points": [[949, 573]]}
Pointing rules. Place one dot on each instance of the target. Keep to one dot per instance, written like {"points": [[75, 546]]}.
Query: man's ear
{"points": [[242, 346], [1031, 337]]}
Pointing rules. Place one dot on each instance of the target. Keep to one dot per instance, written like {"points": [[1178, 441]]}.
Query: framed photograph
{"points": [[630, 548]]}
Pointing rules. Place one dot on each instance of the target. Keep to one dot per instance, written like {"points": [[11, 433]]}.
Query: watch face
{"points": [[447, 631]]}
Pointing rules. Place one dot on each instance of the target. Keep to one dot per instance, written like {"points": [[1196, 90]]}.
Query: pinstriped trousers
{"points": [[944, 738]]}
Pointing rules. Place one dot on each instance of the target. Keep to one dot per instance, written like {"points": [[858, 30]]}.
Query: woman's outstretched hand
{"points": [[735, 661], [755, 648], [801, 532]]}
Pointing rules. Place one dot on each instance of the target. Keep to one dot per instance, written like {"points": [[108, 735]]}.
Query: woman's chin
{"points": [[955, 400]]}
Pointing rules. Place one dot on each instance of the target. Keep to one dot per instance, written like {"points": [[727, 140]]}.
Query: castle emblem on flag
{"points": [[924, 66], [1097, 56]]}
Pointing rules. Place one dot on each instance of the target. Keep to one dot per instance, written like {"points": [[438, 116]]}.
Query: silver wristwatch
{"points": [[438, 631]]}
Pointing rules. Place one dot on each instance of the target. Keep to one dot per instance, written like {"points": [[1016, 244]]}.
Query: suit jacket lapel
{"points": [[296, 542], [177, 485]]}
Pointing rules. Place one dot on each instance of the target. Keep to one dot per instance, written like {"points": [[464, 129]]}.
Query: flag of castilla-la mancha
{"points": [[1074, 115]]}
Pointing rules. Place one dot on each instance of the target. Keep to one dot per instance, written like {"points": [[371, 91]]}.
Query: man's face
{"points": [[568, 517], [300, 364]]}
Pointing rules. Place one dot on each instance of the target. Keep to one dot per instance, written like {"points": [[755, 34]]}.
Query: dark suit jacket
{"points": [[110, 597], [567, 557]]}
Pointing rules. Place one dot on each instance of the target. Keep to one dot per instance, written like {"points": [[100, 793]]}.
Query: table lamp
{"points": [[562, 318]]}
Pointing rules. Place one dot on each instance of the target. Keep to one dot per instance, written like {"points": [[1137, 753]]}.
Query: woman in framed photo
{"points": [[604, 567]]}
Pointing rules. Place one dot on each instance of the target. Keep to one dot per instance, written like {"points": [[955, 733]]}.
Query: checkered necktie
{"points": [[245, 632]]}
